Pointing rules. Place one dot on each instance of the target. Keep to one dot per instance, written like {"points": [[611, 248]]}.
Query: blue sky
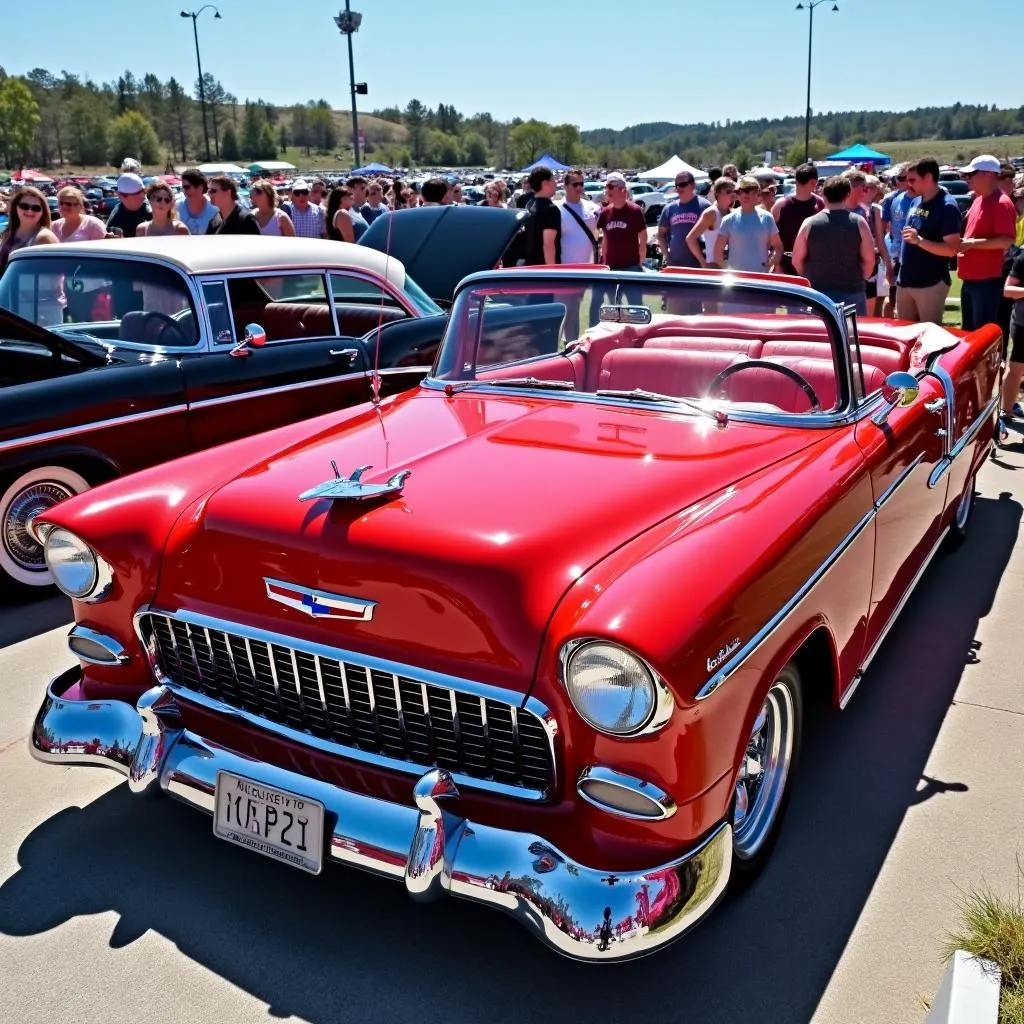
{"points": [[599, 63]]}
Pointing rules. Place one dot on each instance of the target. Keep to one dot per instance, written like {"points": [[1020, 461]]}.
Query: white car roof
{"points": [[229, 254]]}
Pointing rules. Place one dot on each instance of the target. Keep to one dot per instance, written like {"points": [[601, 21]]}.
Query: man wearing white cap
{"points": [[132, 208], [308, 218], [989, 231]]}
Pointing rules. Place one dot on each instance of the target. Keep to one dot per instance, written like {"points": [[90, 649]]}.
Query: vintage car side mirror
{"points": [[254, 337], [899, 390]]}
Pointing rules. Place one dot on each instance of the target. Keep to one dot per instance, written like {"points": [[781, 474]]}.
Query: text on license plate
{"points": [[270, 821]]}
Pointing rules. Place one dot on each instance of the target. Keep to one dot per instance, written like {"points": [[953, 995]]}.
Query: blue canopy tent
{"points": [[548, 161], [373, 168], [861, 154]]}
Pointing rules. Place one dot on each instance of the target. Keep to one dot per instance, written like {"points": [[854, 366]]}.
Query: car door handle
{"points": [[935, 405], [344, 353]]}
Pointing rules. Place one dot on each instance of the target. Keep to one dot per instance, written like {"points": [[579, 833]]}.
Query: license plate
{"points": [[278, 824]]}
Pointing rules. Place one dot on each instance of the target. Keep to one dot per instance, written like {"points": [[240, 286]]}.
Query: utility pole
{"points": [[348, 22], [809, 7], [194, 15]]}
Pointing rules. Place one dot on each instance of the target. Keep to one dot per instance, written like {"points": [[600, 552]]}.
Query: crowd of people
{"points": [[884, 246]]}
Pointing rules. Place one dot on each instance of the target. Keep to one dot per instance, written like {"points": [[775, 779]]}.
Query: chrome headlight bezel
{"points": [[659, 699], [95, 585]]}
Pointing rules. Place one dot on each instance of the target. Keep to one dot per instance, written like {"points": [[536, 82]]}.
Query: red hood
{"points": [[509, 500]]}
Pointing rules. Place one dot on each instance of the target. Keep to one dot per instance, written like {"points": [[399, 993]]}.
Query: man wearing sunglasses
{"points": [[309, 218], [132, 208], [678, 219], [195, 211]]}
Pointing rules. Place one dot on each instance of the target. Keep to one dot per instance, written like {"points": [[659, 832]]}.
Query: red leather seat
{"points": [[598, 342], [888, 360], [671, 372], [751, 347]]}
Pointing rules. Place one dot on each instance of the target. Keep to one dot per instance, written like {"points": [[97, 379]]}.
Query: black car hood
{"points": [[440, 245], [16, 328]]}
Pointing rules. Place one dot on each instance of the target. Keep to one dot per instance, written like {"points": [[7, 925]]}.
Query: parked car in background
{"points": [[120, 354], [539, 633]]}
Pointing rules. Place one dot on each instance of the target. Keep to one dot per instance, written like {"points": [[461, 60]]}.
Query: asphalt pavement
{"points": [[119, 909]]}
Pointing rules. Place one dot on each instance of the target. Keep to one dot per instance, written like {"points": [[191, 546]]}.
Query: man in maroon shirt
{"points": [[990, 228], [791, 211], [623, 230]]}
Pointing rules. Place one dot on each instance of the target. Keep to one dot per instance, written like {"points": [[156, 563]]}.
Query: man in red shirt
{"points": [[989, 231], [623, 230]]}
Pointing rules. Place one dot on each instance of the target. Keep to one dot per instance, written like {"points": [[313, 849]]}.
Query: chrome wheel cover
{"points": [[963, 510], [36, 498], [762, 777]]}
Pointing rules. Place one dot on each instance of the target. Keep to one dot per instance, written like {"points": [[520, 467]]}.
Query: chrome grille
{"points": [[355, 706]]}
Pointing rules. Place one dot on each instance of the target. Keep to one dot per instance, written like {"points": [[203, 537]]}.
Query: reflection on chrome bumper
{"points": [[582, 912]]}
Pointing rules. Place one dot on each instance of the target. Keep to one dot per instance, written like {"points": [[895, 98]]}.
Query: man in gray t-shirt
{"points": [[677, 219], [750, 233]]}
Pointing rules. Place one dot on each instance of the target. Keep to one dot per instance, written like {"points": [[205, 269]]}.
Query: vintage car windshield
{"points": [[657, 337], [111, 300]]}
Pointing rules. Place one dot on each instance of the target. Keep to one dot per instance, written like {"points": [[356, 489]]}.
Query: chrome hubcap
{"points": [[35, 499], [762, 777], [963, 510]]}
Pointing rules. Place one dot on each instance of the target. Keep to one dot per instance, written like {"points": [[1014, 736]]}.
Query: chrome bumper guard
{"points": [[582, 912]]}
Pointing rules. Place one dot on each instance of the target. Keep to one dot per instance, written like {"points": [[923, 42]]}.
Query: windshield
{"points": [[108, 299], [692, 341]]}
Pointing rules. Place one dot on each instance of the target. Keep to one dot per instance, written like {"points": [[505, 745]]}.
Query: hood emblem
{"points": [[715, 660], [318, 603], [349, 488]]}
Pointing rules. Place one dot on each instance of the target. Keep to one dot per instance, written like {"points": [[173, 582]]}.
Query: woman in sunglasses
{"points": [[75, 225], [165, 214], [272, 221], [28, 223]]}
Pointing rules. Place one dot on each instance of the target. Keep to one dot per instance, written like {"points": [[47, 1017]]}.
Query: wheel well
{"points": [[94, 468], [816, 660]]}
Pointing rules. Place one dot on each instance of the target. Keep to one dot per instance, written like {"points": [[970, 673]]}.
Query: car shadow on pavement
{"points": [[21, 619], [347, 946]]}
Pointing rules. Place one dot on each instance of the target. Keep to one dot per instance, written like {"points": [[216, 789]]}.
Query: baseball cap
{"points": [[130, 184], [615, 179], [299, 184], [985, 162]]}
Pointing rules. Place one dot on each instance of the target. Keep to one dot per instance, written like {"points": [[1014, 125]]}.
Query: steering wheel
{"points": [[168, 324], [765, 364]]}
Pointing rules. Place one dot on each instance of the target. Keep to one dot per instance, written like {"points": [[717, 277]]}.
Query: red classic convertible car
{"points": [[540, 632]]}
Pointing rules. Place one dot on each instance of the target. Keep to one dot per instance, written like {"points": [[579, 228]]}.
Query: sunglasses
{"points": [[68, 202], [747, 191], [300, 191], [30, 207], [574, 184], [160, 199], [683, 184]]}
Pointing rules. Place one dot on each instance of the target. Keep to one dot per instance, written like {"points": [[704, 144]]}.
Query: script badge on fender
{"points": [[319, 603]]}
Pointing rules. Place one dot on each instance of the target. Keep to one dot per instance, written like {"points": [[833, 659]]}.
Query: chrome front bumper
{"points": [[582, 912]]}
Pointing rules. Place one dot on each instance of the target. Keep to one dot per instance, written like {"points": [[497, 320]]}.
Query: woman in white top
{"points": [[75, 225], [271, 220], [165, 214], [710, 221]]}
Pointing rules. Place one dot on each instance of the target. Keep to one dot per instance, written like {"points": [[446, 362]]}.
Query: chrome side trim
{"points": [[82, 428], [965, 439], [586, 912], [468, 686], [859, 674], [812, 581], [116, 654], [662, 805], [205, 403]]}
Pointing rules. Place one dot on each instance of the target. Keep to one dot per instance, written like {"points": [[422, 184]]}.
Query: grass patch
{"points": [[992, 927]]}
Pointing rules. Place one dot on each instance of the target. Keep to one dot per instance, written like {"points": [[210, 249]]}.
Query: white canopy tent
{"points": [[222, 169], [670, 168]]}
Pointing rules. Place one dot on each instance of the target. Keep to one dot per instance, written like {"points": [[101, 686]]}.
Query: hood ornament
{"points": [[349, 488], [318, 603]]}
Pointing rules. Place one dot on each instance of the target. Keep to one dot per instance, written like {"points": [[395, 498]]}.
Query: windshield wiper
{"points": [[513, 382], [642, 395]]}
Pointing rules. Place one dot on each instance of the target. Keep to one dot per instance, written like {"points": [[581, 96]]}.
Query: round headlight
{"points": [[612, 689], [72, 563]]}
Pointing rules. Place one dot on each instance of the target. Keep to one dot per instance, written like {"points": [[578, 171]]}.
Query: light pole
{"points": [[194, 15], [348, 22], [809, 7]]}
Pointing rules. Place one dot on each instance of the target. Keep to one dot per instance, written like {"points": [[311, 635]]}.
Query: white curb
{"points": [[969, 993]]}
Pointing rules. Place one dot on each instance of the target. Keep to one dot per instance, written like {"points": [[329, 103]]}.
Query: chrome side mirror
{"points": [[899, 390], [254, 337]]}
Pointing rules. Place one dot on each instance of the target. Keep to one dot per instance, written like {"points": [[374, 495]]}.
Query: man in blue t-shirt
{"points": [[894, 215], [931, 237], [677, 219]]}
